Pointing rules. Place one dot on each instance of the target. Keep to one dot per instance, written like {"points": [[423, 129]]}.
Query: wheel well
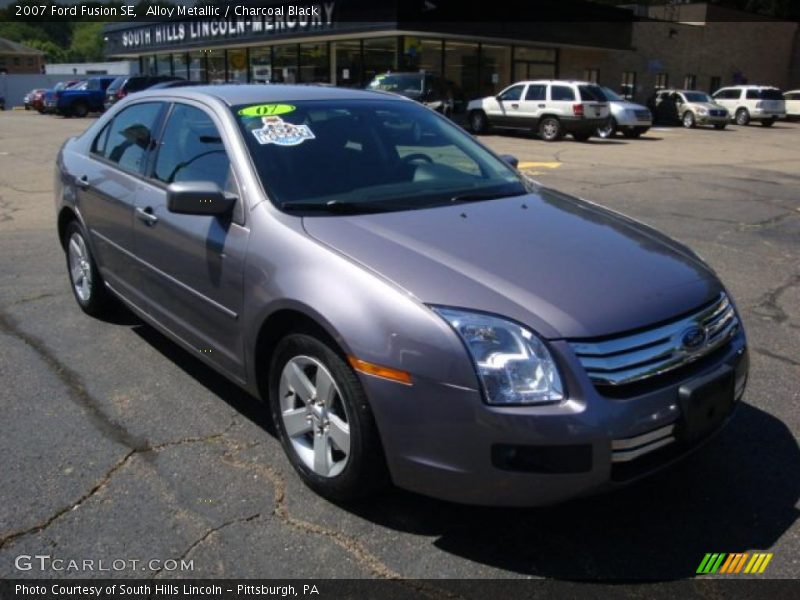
{"points": [[65, 217], [276, 327], [548, 115]]}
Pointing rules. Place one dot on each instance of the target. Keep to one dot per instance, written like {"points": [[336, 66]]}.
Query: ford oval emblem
{"points": [[693, 339]]}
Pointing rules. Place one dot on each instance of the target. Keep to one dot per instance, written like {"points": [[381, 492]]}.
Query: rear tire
{"points": [[332, 441], [478, 122], [550, 129], [86, 282], [742, 117], [79, 109], [768, 122], [609, 130]]}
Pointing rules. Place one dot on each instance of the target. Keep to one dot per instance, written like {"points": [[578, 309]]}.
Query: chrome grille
{"points": [[631, 358]]}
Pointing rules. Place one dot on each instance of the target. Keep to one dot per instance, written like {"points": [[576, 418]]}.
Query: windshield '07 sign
{"points": [[245, 22]]}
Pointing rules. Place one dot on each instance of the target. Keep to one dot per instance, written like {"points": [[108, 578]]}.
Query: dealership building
{"points": [[481, 47]]}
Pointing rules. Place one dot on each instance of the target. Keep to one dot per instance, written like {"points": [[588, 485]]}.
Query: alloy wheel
{"points": [[314, 416], [80, 267]]}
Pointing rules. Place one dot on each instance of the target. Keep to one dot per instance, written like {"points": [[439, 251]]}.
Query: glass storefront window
{"points": [[535, 54], [260, 65], [180, 65], [216, 66], [315, 63], [148, 65], [495, 68], [380, 55], [348, 63], [430, 56], [461, 67], [284, 64], [197, 66], [237, 65], [164, 64]]}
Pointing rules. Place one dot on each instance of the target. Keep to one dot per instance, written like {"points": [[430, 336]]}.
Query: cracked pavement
{"points": [[116, 444]]}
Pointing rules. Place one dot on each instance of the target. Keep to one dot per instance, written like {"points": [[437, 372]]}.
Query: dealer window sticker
{"points": [[277, 131], [266, 110]]}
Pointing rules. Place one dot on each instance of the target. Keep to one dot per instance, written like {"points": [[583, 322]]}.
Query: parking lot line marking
{"points": [[530, 165]]}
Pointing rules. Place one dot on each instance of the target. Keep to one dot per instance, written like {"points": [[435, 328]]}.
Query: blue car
{"points": [[80, 100]]}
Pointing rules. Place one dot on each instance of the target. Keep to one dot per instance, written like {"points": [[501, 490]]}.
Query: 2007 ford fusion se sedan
{"points": [[411, 308]]}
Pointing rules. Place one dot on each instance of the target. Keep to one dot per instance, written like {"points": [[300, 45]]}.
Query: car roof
{"points": [[258, 93], [750, 87], [564, 81]]}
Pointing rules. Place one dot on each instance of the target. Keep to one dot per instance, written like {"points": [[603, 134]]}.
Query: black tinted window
{"points": [[512, 93], [590, 93], [771, 95], [136, 83], [191, 149], [536, 92], [753, 95], [561, 92], [131, 135]]}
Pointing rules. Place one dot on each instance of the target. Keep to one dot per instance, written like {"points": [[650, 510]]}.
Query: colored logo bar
{"points": [[733, 563]]}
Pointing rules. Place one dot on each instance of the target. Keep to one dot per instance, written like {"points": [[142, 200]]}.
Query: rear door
{"points": [[192, 265], [532, 104], [108, 182]]}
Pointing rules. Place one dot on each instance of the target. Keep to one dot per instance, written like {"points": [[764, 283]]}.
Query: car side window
{"points": [[752, 95], [562, 92], [99, 143], [130, 136], [191, 149], [512, 94], [536, 92]]}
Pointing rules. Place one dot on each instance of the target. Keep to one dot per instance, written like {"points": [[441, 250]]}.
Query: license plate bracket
{"points": [[706, 402]]}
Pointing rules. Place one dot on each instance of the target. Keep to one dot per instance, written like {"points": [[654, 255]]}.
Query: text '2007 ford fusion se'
{"points": [[411, 308]]}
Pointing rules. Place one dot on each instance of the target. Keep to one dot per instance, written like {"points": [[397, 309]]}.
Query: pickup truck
{"points": [[80, 100]]}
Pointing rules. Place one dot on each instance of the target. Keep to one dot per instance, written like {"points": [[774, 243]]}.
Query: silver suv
{"points": [[551, 108]]}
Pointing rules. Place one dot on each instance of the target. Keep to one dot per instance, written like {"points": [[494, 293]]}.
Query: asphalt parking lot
{"points": [[116, 444]]}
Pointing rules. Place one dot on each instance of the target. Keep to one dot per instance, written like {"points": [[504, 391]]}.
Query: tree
{"points": [[87, 42]]}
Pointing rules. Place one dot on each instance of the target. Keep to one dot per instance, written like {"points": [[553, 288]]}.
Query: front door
{"points": [[506, 107], [192, 265]]}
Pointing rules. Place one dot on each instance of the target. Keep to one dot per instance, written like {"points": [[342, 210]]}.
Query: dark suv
{"points": [[127, 84]]}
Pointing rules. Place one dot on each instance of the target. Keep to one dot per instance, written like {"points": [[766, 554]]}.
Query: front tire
{"points": [[742, 116], [688, 120], [478, 122], [85, 280], [79, 110], [324, 420], [550, 129]]}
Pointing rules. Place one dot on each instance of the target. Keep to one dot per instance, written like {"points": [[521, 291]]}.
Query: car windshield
{"points": [[697, 97], [611, 95], [368, 156], [116, 84], [397, 82]]}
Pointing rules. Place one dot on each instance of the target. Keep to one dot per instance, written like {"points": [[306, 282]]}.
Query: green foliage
{"points": [[87, 42]]}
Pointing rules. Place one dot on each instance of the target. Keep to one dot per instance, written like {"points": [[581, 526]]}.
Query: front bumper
{"points": [[445, 442], [712, 119]]}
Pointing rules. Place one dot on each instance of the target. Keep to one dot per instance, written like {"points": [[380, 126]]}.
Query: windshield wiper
{"points": [[338, 207], [480, 197]]}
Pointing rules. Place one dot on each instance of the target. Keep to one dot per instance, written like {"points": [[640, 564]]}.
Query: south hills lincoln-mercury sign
{"points": [[245, 22]]}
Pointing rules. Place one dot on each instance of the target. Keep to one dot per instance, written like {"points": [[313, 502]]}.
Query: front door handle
{"points": [[515, 105], [542, 105], [83, 182], [146, 215]]}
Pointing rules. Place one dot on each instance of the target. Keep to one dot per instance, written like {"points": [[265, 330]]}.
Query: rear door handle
{"points": [[542, 105], [146, 215]]}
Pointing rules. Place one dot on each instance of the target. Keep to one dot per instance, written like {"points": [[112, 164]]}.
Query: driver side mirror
{"points": [[198, 198], [499, 98], [510, 159]]}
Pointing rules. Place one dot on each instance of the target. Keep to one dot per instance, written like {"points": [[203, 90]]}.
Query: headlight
{"points": [[702, 111], [514, 365]]}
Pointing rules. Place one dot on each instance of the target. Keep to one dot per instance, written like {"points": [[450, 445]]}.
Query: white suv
{"points": [[748, 103], [550, 108]]}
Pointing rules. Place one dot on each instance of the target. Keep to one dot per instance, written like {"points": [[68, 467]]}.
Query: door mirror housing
{"points": [[198, 198], [510, 159]]}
